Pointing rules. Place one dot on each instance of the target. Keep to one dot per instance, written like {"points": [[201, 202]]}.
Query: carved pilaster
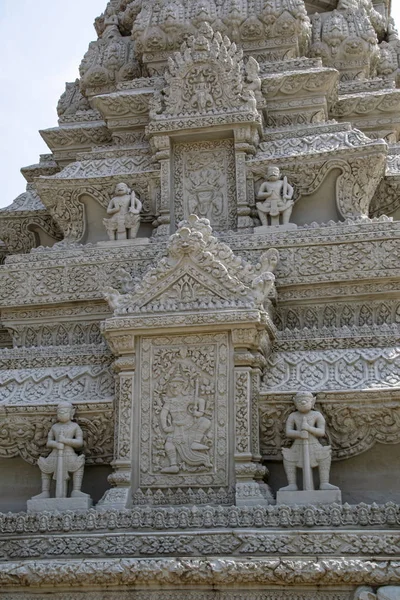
{"points": [[162, 146], [250, 490], [118, 496], [244, 138]]}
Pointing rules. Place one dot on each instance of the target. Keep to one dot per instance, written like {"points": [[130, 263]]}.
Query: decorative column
{"points": [[118, 496], [245, 138], [162, 147], [248, 361]]}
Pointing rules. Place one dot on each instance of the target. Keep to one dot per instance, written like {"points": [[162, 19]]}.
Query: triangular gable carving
{"points": [[199, 273]]}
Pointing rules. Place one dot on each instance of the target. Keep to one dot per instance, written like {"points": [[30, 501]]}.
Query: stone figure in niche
{"points": [[306, 426], [64, 438], [124, 208], [184, 422], [277, 199]]}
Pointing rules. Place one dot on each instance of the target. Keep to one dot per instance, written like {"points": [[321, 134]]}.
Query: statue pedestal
{"points": [[59, 504], [274, 228], [315, 497], [123, 243]]}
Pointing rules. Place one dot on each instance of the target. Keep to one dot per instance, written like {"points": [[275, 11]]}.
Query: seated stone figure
{"points": [[124, 208], [306, 426], [64, 437], [276, 194]]}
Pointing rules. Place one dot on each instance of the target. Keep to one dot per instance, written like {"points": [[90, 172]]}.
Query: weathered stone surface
{"points": [[242, 159]]}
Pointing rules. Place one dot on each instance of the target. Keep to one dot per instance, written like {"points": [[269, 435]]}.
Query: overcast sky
{"points": [[41, 45]]}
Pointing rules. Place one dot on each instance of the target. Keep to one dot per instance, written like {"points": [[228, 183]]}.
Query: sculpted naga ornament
{"points": [[306, 426], [124, 208], [64, 438]]}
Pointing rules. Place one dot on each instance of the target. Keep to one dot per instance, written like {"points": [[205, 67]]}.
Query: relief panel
{"points": [[204, 183], [184, 411]]}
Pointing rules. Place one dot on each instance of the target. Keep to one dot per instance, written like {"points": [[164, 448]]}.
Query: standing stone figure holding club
{"points": [[64, 437], [306, 426]]}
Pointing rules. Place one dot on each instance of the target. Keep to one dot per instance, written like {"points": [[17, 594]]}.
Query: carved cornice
{"points": [[46, 167], [339, 369], [125, 109], [166, 572], [265, 594], [345, 259], [312, 80], [63, 141], [360, 518], [337, 543], [367, 103], [94, 382]]}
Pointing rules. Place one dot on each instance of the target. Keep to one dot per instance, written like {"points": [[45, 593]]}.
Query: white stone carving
{"points": [[183, 419], [276, 196], [184, 379], [306, 426], [124, 208], [184, 406], [204, 182], [206, 77], [65, 436], [168, 572]]}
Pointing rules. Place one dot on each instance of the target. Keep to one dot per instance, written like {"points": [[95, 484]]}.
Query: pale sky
{"points": [[41, 45]]}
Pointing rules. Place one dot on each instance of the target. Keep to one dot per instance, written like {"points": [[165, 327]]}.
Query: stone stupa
{"points": [[214, 233]]}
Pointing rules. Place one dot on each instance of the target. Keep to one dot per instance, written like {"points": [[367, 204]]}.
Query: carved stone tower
{"points": [[214, 234]]}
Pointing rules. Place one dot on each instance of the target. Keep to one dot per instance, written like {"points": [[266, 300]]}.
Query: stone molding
{"points": [[326, 519], [242, 594], [201, 543], [216, 572], [314, 256], [338, 369]]}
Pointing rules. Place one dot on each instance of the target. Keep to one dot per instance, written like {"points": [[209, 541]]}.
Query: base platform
{"points": [[275, 228], [123, 243], [316, 497], [59, 504]]}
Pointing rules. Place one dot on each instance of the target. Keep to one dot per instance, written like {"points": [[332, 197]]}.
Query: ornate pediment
{"points": [[204, 78], [199, 273]]}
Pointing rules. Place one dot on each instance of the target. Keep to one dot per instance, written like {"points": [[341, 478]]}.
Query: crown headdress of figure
{"points": [[177, 376]]}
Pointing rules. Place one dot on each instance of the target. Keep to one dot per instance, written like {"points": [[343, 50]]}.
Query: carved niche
{"points": [[204, 182], [184, 411], [179, 416]]}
